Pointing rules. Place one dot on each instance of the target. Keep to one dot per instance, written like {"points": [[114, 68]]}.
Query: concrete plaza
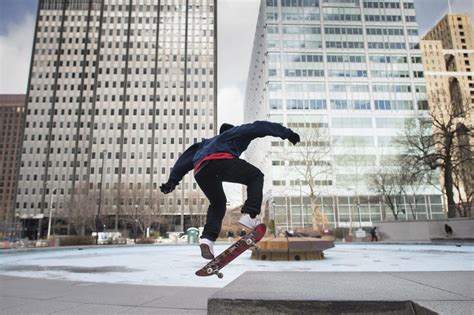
{"points": [[160, 279]]}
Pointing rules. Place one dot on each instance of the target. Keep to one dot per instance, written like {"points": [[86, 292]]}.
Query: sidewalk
{"points": [[39, 296], [252, 293]]}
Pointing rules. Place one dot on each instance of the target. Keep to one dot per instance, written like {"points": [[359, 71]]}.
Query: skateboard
{"points": [[233, 251]]}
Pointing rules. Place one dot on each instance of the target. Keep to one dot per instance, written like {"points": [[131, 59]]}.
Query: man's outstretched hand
{"points": [[168, 187], [294, 138]]}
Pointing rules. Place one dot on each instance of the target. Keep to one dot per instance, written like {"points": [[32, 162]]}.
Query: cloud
{"points": [[235, 30], [15, 54], [230, 102], [429, 12]]}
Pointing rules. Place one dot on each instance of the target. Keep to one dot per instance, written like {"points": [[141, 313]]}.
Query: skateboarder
{"points": [[216, 160]]}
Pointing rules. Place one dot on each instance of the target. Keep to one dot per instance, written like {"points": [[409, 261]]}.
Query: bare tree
{"points": [[155, 210], [442, 142], [82, 210], [398, 186], [310, 159], [354, 164]]}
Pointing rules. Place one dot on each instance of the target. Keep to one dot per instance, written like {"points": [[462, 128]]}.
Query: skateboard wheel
{"points": [[220, 275], [209, 270], [249, 242]]}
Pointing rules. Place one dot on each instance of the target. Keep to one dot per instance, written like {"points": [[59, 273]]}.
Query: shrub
{"points": [[76, 240], [145, 240], [115, 241]]}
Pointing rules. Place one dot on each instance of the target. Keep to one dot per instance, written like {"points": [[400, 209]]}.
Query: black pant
{"points": [[210, 179]]}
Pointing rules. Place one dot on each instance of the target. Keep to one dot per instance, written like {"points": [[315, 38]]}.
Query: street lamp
{"points": [[53, 192], [22, 222], [301, 204], [100, 197], [274, 219], [350, 212], [136, 220]]}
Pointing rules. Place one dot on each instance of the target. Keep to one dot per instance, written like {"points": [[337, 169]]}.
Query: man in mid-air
{"points": [[216, 160]]}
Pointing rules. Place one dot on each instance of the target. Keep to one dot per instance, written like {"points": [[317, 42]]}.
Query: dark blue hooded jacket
{"points": [[234, 141]]}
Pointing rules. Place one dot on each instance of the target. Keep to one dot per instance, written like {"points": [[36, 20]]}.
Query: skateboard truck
{"points": [[250, 242], [211, 270], [253, 244]]}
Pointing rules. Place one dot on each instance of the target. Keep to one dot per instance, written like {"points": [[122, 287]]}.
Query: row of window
{"points": [[340, 73], [302, 143], [304, 183], [315, 3], [128, 112], [347, 73], [84, 5], [196, 33], [387, 5], [345, 58], [393, 59], [385, 45], [300, 58], [376, 88], [113, 84], [125, 201], [274, 29], [393, 105], [395, 74], [274, 17], [113, 98], [388, 18], [311, 44], [342, 104], [342, 17], [345, 44]]}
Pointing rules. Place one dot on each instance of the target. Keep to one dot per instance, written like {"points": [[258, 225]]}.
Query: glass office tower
{"points": [[117, 90], [346, 74]]}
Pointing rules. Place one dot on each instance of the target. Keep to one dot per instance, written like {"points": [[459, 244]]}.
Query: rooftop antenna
{"points": [[449, 7]]}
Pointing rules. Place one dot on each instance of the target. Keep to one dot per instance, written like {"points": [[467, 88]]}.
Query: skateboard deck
{"points": [[232, 252]]}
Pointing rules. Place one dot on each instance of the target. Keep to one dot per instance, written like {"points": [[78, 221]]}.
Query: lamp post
{"points": [[53, 192], [19, 218], [274, 219], [350, 212], [360, 220], [136, 220], [100, 197], [301, 204]]}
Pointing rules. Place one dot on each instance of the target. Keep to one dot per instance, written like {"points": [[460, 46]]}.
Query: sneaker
{"points": [[207, 248], [248, 222]]}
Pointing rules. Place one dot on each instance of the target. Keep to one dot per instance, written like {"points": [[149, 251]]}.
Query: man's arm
{"points": [[182, 166], [261, 128]]}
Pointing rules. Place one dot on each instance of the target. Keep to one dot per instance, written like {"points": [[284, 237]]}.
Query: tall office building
{"points": [[11, 126], [448, 58], [346, 74], [117, 90]]}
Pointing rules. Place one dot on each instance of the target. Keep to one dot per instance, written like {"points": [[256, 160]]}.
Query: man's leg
{"points": [[212, 188], [242, 172]]}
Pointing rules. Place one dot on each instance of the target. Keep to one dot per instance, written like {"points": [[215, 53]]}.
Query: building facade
{"points": [[11, 126], [117, 90], [448, 59], [346, 75]]}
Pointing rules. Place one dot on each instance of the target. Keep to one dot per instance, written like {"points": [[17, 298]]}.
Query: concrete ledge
{"points": [[347, 293], [311, 307], [293, 248]]}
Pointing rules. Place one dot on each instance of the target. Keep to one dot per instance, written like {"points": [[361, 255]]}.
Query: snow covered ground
{"points": [[174, 265]]}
